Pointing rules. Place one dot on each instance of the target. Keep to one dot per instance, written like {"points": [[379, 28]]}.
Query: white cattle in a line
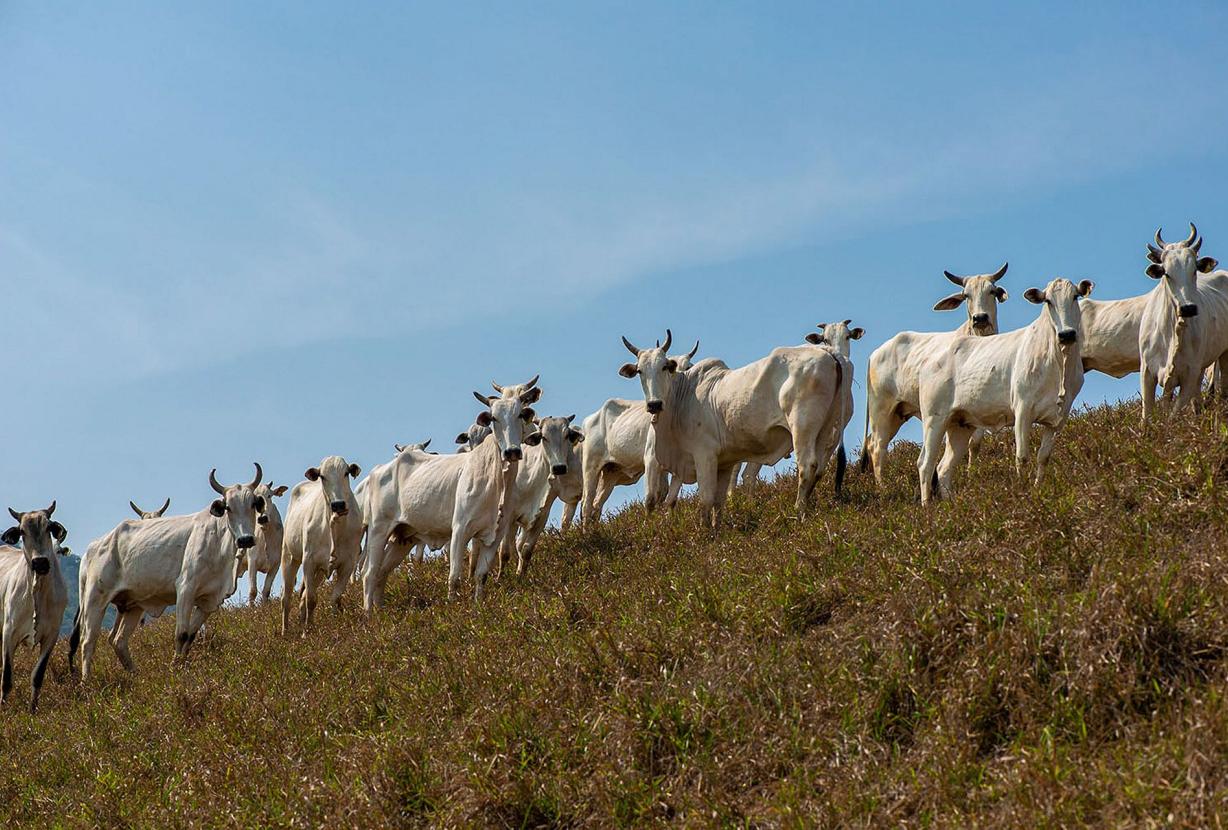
{"points": [[894, 377], [324, 527], [710, 417], [618, 450], [265, 556], [550, 471], [190, 562], [1184, 329], [1023, 377], [33, 593], [448, 500]]}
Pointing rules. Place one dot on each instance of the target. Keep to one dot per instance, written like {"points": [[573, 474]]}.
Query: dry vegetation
{"points": [[1011, 658]]}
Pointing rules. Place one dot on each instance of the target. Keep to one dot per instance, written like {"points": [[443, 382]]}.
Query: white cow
{"points": [[33, 593], [711, 417], [1023, 377], [265, 557], [448, 499], [324, 527], [550, 471], [619, 449], [360, 493], [190, 562], [894, 378], [1184, 328], [470, 438]]}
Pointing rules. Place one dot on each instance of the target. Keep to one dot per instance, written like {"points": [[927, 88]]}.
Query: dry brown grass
{"points": [[1013, 657]]}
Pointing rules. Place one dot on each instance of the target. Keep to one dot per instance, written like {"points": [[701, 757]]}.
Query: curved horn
{"points": [[483, 399], [532, 382], [259, 475], [138, 511], [165, 506], [426, 443], [631, 347], [50, 509], [849, 320], [997, 275], [571, 417], [496, 387], [213, 482], [1160, 243], [1154, 253], [16, 516], [1189, 240], [399, 447], [694, 351], [953, 278], [1197, 246], [669, 339]]}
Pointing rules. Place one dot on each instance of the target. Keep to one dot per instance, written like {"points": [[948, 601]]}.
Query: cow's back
{"points": [[426, 494], [1111, 334], [16, 596], [142, 558]]}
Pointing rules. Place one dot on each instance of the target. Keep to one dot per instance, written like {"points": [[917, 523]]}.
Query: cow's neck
{"points": [[1042, 342], [669, 424]]}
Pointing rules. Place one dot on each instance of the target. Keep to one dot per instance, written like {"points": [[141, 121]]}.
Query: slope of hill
{"points": [[1013, 657]]}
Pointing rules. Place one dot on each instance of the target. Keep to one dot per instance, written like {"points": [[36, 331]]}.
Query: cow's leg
{"points": [[341, 581], [185, 605], [419, 553], [289, 575], [312, 577], [46, 645], [569, 515], [883, 426], [656, 481], [1047, 436], [393, 556], [93, 608], [268, 584], [812, 454], [958, 441], [1191, 392], [485, 559], [933, 431], [529, 543], [127, 623], [1023, 443], [6, 667], [253, 577], [506, 547], [1218, 372], [705, 474], [974, 445], [675, 489], [750, 473], [590, 472], [1147, 389], [723, 476], [733, 478], [458, 552]]}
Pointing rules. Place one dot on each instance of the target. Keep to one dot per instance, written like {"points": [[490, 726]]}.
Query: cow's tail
{"points": [[841, 456], [74, 639], [865, 439]]}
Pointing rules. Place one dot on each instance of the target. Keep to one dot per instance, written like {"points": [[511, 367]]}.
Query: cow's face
{"points": [[1061, 301], [334, 475], [40, 537], [980, 294], [470, 439], [656, 370], [836, 336], [1177, 265], [238, 505], [267, 492], [557, 439], [506, 417]]}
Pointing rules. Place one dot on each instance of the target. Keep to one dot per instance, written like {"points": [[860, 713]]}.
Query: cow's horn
{"points": [[213, 482], [496, 387], [631, 347], [694, 351], [669, 339], [532, 382], [1196, 246], [1189, 240], [165, 506], [138, 511], [259, 475], [849, 320], [1160, 243], [16, 516], [953, 278], [484, 399], [997, 275], [426, 443], [50, 509]]}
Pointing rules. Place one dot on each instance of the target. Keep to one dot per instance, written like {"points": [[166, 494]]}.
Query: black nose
{"points": [[338, 507], [1188, 310], [262, 520], [245, 542], [979, 320], [1067, 336], [513, 454], [655, 407], [559, 469], [40, 565]]}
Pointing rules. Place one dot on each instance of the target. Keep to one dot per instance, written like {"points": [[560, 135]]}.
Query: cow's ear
{"points": [[1207, 264], [532, 396], [671, 365], [629, 370], [218, 508], [1154, 270], [11, 536], [312, 474], [463, 438], [1085, 288], [528, 414], [258, 504], [58, 531], [533, 439], [484, 419], [355, 471], [857, 333], [279, 490], [1034, 295], [1000, 293], [575, 436], [950, 302], [814, 337]]}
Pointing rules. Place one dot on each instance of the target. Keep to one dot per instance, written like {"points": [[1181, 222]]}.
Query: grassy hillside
{"points": [[1010, 658]]}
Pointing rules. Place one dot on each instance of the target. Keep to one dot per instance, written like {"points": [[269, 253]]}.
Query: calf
{"points": [[324, 527], [265, 556], [1184, 327], [550, 471], [1024, 377], [33, 593]]}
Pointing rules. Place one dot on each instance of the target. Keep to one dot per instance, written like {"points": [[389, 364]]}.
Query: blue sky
{"points": [[234, 232]]}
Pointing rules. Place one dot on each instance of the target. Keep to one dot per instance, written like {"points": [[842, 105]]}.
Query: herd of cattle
{"points": [[696, 423]]}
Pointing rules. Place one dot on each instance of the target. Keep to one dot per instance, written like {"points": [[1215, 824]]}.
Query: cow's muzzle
{"points": [[262, 520], [655, 407], [41, 565], [245, 542], [1187, 310], [513, 454], [339, 507], [559, 469], [980, 321], [1067, 336]]}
